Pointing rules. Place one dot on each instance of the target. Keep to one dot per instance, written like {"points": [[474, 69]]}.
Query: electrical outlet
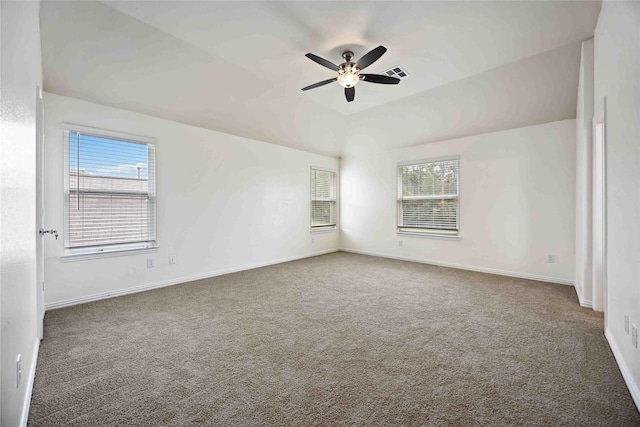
{"points": [[626, 323], [634, 335], [18, 370], [551, 259], [172, 259], [400, 243], [150, 263], [313, 240]]}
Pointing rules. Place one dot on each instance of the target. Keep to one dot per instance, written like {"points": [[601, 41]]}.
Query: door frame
{"points": [[599, 201], [40, 211]]}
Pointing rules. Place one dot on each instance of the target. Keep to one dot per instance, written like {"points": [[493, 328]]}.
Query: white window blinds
{"points": [[428, 197], [323, 199], [110, 197]]}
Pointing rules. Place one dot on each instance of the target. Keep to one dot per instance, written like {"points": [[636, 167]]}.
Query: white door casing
{"points": [[599, 278], [40, 212]]}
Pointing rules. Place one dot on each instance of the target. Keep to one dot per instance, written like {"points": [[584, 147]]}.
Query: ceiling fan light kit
{"points": [[349, 72]]}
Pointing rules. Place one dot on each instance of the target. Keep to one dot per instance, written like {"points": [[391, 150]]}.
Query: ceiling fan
{"points": [[349, 72]]}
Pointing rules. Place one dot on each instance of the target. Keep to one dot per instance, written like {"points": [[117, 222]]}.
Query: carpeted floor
{"points": [[340, 339]]}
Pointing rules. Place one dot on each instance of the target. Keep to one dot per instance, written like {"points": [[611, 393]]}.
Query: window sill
{"points": [[323, 230], [106, 254], [430, 235]]}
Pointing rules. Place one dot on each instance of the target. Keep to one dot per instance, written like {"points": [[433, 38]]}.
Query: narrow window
{"points": [[324, 209], [110, 196], [428, 200]]}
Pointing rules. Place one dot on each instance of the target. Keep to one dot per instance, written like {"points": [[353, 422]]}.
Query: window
{"points": [[324, 209], [110, 197], [428, 197]]}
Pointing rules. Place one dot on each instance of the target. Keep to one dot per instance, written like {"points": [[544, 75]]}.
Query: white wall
{"points": [[617, 76], [584, 165], [21, 73], [225, 203], [517, 198]]}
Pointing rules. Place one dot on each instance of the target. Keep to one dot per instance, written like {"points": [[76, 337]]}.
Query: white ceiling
{"points": [[238, 67]]}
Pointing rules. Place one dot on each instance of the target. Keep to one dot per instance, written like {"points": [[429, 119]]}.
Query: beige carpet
{"points": [[340, 339]]}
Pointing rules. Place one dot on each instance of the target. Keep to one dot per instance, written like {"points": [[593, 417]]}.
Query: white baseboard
{"points": [[466, 267], [31, 378], [164, 283], [633, 387], [176, 281], [583, 302]]}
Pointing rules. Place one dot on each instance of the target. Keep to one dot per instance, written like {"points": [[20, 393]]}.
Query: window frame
{"points": [[331, 227], [428, 232], [114, 249]]}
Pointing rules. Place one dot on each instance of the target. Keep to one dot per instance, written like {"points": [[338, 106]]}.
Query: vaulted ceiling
{"points": [[238, 67]]}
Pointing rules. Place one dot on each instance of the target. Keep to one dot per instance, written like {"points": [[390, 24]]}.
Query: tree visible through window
{"points": [[428, 197], [109, 193], [324, 210]]}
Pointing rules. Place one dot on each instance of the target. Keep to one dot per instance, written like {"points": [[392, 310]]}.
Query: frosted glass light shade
{"points": [[348, 75]]}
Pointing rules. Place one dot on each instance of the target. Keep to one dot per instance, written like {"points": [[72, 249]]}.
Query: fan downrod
{"points": [[347, 55]]}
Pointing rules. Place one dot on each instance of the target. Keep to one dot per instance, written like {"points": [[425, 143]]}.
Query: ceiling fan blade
{"points": [[371, 57], [322, 83], [350, 93], [315, 58], [379, 78]]}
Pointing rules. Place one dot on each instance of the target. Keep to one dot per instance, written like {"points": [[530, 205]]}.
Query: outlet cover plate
{"points": [[626, 323], [18, 370]]}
